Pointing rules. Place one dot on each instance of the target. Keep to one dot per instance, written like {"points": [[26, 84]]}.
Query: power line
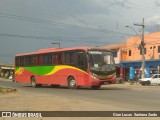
{"points": [[149, 9], [58, 23], [59, 38]]}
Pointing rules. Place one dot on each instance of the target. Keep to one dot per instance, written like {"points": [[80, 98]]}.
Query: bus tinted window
{"points": [[35, 60], [60, 58], [17, 61], [30, 60], [82, 61], [70, 57], [47, 59], [40, 60]]}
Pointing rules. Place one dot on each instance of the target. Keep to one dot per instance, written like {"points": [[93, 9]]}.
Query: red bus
{"points": [[72, 67]]}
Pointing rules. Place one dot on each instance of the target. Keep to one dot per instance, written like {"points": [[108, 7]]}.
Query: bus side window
{"points": [[30, 58], [82, 61], [50, 59], [40, 60], [26, 60], [55, 59], [60, 58], [35, 60], [69, 58], [17, 61], [21, 61]]}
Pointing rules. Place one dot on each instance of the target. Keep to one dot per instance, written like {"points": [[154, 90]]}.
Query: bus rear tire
{"points": [[72, 83], [34, 84]]}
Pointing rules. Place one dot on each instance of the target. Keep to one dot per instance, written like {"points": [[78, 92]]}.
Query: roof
{"points": [[146, 34], [47, 50], [113, 46]]}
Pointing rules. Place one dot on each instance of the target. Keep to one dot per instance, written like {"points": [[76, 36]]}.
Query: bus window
{"points": [[40, 60], [55, 59], [35, 60], [47, 58], [30, 59], [60, 58], [21, 61], [27, 61], [70, 58], [17, 61], [82, 61]]}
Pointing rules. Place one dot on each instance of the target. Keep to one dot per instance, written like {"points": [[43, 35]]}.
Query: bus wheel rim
{"points": [[72, 83], [33, 83]]}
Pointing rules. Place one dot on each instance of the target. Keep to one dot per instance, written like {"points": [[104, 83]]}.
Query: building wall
{"points": [[152, 43], [117, 59]]}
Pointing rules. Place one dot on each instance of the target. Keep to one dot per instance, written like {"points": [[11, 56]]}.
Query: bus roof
{"points": [[48, 50]]}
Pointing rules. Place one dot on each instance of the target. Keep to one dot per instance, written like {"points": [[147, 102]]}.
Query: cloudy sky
{"points": [[29, 25]]}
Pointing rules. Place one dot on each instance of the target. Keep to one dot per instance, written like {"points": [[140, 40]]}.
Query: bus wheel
{"points": [[34, 84], [72, 83], [95, 87]]}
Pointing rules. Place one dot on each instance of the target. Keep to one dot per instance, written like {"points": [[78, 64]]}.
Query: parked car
{"points": [[155, 79]]}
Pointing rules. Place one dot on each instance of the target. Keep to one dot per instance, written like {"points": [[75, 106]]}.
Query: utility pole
{"points": [[142, 48]]}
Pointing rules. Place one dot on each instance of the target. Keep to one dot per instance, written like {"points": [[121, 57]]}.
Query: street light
{"points": [[57, 44], [132, 29]]}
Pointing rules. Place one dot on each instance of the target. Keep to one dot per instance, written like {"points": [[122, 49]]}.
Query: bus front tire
{"points": [[72, 83]]}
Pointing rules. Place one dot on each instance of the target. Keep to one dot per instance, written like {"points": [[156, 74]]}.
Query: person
{"points": [[6, 75]]}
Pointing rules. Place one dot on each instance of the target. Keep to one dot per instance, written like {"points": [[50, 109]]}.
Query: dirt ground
{"points": [[22, 101]]}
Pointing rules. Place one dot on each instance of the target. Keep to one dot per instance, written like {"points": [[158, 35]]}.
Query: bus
{"points": [[73, 67]]}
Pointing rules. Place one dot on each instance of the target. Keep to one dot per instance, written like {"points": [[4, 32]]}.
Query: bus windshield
{"points": [[101, 61]]}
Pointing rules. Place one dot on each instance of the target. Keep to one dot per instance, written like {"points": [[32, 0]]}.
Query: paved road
{"points": [[120, 96]]}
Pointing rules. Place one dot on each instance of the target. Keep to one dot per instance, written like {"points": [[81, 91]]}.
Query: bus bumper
{"points": [[103, 82]]}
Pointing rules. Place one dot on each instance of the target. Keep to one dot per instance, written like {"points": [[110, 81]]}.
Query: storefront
{"points": [[151, 67], [6, 71]]}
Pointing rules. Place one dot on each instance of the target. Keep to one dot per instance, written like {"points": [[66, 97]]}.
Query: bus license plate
{"points": [[105, 83]]}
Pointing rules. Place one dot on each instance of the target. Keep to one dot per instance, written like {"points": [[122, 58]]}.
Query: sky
{"points": [[30, 25]]}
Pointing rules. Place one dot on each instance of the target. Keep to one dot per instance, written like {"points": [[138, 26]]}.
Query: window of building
{"points": [[114, 53], [158, 49], [130, 52]]}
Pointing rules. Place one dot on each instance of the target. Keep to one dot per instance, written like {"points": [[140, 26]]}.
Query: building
{"points": [[131, 58]]}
